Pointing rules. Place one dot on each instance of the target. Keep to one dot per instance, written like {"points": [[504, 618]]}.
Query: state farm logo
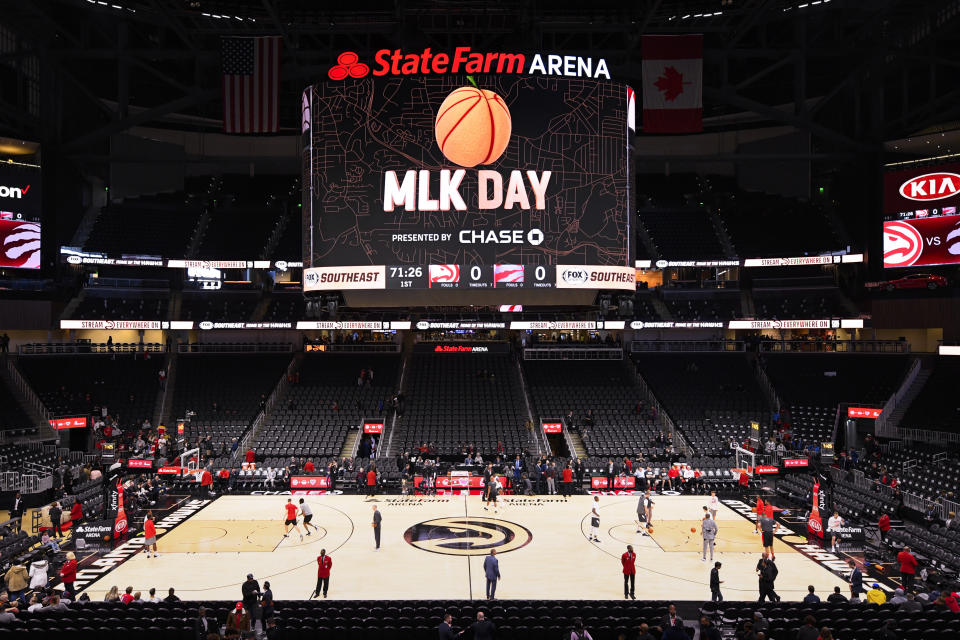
{"points": [[348, 66], [206, 325], [931, 186], [575, 276], [13, 192], [902, 244]]}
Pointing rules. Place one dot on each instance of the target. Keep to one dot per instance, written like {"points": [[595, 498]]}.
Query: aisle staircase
{"points": [[350, 444]]}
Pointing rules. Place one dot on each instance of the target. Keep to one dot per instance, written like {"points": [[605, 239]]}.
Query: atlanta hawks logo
{"points": [[467, 536]]}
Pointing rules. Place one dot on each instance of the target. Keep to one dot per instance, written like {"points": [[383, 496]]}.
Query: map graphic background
{"points": [[359, 129]]}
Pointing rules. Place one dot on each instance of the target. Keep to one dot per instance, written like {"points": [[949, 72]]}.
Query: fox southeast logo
{"points": [[396, 62]]}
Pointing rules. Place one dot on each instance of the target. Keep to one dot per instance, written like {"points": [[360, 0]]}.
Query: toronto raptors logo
{"points": [[467, 536], [902, 244], [20, 245]]}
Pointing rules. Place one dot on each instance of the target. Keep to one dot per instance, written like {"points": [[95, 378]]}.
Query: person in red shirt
{"points": [[68, 573], [206, 480], [566, 487], [309, 468], [127, 596], [76, 514], [884, 526], [951, 601], [372, 481], [628, 465], [324, 564], [628, 561], [908, 568], [672, 475], [149, 535], [250, 456], [290, 519]]}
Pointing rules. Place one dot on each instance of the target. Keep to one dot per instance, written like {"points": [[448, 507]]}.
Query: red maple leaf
{"points": [[670, 83]]}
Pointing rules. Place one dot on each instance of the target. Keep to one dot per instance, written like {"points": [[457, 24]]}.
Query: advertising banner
{"points": [[863, 412], [76, 422], [553, 426], [309, 482], [20, 215], [921, 242], [373, 427], [796, 463], [619, 482], [921, 226]]}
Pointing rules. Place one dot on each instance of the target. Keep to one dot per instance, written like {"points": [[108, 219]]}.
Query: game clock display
{"points": [[477, 276]]}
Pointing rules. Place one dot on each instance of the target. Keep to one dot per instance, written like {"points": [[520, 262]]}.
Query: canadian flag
{"points": [[672, 83]]}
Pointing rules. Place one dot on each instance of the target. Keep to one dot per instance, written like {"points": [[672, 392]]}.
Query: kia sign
{"points": [[552, 427], [796, 462], [69, 423], [420, 176], [309, 482], [373, 427], [863, 412], [921, 227], [619, 482]]}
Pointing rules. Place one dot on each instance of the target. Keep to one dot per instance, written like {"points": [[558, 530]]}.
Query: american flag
{"points": [[251, 81]]}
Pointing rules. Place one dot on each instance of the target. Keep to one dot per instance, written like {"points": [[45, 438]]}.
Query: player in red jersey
{"points": [[291, 518]]}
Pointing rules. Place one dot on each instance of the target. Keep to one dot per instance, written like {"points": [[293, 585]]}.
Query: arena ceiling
{"points": [[852, 74]]}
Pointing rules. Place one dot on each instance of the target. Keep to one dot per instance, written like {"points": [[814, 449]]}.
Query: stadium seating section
{"points": [[224, 391], [221, 306], [752, 217], [12, 417], [717, 306], [126, 384], [313, 417], [680, 234], [123, 305], [711, 397], [799, 304], [455, 400], [155, 225]]}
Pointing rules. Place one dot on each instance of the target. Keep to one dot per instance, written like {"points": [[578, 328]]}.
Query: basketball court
{"points": [[434, 547]]}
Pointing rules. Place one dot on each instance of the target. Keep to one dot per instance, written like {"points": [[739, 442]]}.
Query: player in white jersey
{"points": [[307, 514], [833, 526], [714, 505], [595, 520]]}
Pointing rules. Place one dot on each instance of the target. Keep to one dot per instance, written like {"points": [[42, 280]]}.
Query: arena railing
{"points": [[883, 426], [835, 346], [573, 353], [710, 346], [87, 348], [235, 347], [366, 347], [928, 436], [27, 392]]}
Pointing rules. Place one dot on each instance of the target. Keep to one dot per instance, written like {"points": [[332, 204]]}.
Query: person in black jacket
{"points": [[768, 575], [251, 599], [715, 582], [55, 515], [204, 625], [708, 631], [483, 629], [445, 629]]}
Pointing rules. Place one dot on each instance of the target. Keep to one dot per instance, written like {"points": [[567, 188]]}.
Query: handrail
{"points": [[27, 392], [834, 346], [278, 390], [573, 353], [663, 416], [366, 347], [235, 347], [687, 345], [87, 348], [894, 401], [928, 436]]}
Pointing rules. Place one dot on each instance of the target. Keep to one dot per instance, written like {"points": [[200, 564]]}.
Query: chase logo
{"points": [[574, 276], [467, 536]]}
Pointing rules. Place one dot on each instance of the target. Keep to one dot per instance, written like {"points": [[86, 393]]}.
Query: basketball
{"points": [[473, 126], [693, 529]]}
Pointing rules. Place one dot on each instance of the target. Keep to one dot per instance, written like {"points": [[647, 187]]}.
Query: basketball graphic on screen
{"points": [[473, 126]]}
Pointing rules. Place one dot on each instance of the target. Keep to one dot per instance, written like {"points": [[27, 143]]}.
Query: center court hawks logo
{"points": [[467, 536]]}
